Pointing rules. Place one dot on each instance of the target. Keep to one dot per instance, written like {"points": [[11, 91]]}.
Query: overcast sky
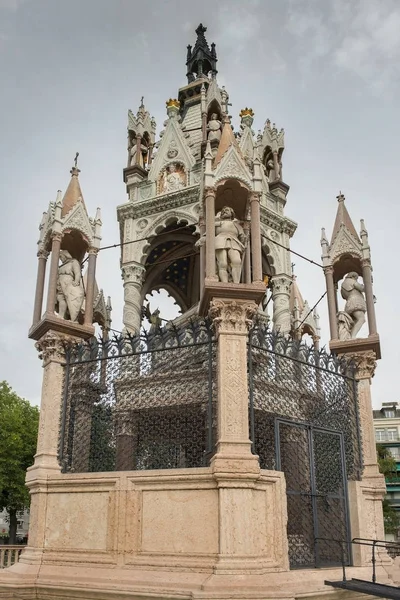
{"points": [[325, 70]]}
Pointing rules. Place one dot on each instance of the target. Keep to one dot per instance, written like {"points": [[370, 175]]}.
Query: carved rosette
{"points": [[232, 316], [51, 347]]}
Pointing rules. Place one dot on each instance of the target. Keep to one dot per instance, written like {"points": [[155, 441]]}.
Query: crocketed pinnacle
{"points": [[73, 193], [343, 217]]}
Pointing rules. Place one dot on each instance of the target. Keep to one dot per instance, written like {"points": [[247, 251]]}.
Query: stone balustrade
{"points": [[9, 555]]}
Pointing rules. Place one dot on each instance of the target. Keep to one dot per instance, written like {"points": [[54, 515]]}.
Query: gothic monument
{"points": [[215, 455]]}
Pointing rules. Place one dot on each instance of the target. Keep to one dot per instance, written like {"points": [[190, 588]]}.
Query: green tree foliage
{"points": [[19, 422], [388, 468]]}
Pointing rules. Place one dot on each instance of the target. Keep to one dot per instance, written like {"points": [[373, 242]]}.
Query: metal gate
{"points": [[313, 460]]}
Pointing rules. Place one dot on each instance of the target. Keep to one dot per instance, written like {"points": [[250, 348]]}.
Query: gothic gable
{"points": [[173, 147], [232, 166], [78, 219], [345, 243]]}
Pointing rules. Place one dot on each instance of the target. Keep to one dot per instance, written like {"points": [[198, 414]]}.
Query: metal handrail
{"points": [[361, 542], [341, 543], [374, 544]]}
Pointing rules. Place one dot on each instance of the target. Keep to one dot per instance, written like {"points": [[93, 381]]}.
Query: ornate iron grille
{"points": [[140, 402], [293, 383]]}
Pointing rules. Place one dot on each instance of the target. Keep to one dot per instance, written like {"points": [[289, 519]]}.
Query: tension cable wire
{"points": [[311, 310]]}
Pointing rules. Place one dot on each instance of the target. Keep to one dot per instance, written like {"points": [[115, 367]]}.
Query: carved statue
{"points": [[70, 293], [132, 148], [352, 318], [172, 180], [230, 243], [269, 169], [153, 318], [214, 128]]}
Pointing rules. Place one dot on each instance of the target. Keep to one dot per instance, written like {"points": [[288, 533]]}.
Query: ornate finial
{"points": [[76, 160], [341, 197], [201, 30], [246, 112], [173, 102]]}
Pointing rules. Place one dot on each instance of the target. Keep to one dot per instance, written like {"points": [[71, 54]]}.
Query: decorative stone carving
{"points": [[230, 243], [352, 318], [173, 179], [145, 192], [142, 224], [232, 316], [172, 150], [43, 254], [365, 363], [52, 347], [70, 293], [281, 303], [214, 128], [132, 274]]}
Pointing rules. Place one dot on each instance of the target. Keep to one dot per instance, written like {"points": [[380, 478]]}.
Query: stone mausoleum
{"points": [[222, 454]]}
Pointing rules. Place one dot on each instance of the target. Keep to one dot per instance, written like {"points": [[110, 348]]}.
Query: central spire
{"points": [[202, 59]]}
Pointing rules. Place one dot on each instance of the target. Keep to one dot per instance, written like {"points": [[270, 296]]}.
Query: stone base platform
{"points": [[36, 582], [213, 533]]}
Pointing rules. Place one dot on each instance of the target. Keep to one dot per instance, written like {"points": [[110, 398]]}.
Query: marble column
{"points": [[247, 256], [331, 296], [255, 236], [276, 164], [369, 295], [54, 260], [41, 273], [202, 270], [281, 303], [365, 496], [133, 278], [232, 319], [90, 283], [210, 233]]}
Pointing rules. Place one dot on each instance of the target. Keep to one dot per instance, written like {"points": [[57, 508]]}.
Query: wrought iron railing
{"points": [[304, 421], [291, 380], [140, 402]]}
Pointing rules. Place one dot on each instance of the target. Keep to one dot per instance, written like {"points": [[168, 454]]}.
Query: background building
{"points": [[387, 434]]}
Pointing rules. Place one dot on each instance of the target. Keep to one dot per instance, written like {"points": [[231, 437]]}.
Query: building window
{"points": [[380, 435], [389, 413], [395, 451], [392, 434]]}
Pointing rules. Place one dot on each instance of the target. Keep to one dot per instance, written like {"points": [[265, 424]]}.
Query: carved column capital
{"points": [[133, 274], [281, 285], [232, 316], [210, 191], [42, 253], [366, 262], [328, 270], [51, 347], [365, 364], [56, 236], [93, 250], [254, 196]]}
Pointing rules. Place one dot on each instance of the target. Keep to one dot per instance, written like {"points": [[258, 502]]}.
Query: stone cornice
{"points": [[278, 222], [159, 204]]}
